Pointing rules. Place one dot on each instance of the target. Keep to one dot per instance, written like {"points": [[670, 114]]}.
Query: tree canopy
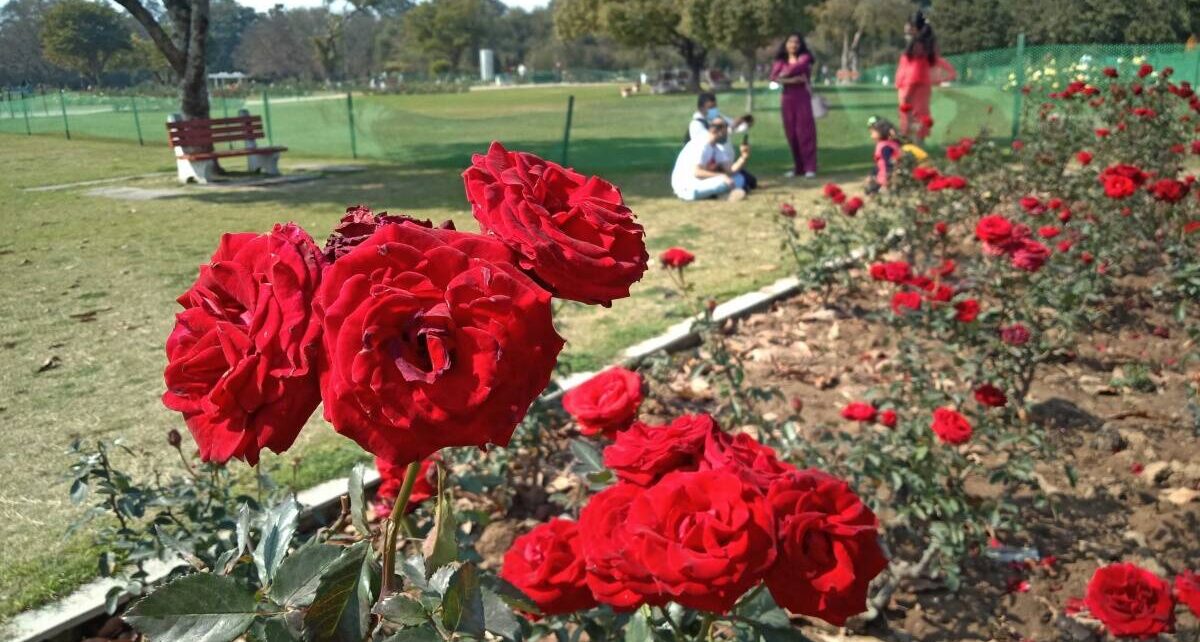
{"points": [[83, 36]]}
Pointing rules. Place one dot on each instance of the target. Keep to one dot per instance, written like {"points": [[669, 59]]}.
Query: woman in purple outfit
{"points": [[793, 70]]}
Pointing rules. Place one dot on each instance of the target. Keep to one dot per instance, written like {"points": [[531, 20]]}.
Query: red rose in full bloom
{"points": [[606, 403], [892, 271], [391, 478], [859, 411], [1130, 601], [950, 426], [1030, 255], [834, 193], [888, 418], [744, 456], [905, 302], [1187, 591], [924, 174], [547, 564], [966, 310], [1015, 334], [828, 547], [1169, 190], [573, 233], [704, 537], [816, 224], [614, 570], [645, 453], [990, 395], [1048, 231], [242, 358], [1084, 158], [994, 229], [1032, 204], [1102, 132], [851, 206], [946, 182], [676, 257], [1118, 187], [940, 228], [1145, 70], [433, 338], [1110, 72], [787, 210]]}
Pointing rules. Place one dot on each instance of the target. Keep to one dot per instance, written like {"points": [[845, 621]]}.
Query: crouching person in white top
{"points": [[705, 168]]}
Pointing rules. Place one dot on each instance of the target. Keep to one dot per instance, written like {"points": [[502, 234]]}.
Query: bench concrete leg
{"points": [[266, 163], [194, 171]]}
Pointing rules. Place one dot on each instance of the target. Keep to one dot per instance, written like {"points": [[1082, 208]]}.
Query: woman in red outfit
{"points": [[919, 70], [793, 69]]}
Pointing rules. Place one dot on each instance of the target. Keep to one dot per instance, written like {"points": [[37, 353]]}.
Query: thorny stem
{"points": [[705, 628], [899, 571], [395, 523], [671, 621]]}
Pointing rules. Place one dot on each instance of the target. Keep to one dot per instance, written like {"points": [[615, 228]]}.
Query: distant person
{"points": [[920, 68], [888, 150], [793, 69], [706, 110], [704, 169]]}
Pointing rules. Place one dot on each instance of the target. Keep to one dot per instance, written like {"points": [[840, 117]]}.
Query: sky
{"points": [[263, 5]]}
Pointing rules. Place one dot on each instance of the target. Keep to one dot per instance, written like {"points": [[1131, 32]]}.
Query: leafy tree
{"points": [[83, 36], [21, 58], [442, 33], [844, 24], [184, 43], [228, 23], [972, 25], [143, 56], [634, 23], [744, 26]]}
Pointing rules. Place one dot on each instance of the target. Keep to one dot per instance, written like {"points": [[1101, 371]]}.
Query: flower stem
{"points": [[705, 628], [395, 522]]}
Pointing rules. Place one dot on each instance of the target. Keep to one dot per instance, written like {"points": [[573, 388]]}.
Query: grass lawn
{"points": [[90, 282]]}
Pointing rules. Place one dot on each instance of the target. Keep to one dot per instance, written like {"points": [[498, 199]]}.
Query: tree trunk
{"points": [[694, 56], [845, 66], [750, 65], [193, 83], [854, 46]]}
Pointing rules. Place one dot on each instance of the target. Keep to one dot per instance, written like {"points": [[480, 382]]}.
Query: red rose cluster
{"points": [[1002, 237], [414, 338], [1132, 602], [699, 517], [607, 403], [930, 287]]}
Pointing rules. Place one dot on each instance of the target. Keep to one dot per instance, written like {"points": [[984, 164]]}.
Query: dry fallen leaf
{"points": [[1181, 496]]}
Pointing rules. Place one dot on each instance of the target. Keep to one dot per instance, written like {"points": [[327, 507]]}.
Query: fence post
{"points": [[566, 144], [45, 104], [1019, 74], [350, 119], [267, 117], [12, 111], [137, 122], [25, 111], [62, 103]]}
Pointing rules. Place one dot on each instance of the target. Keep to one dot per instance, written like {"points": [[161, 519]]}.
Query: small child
{"points": [[888, 150]]}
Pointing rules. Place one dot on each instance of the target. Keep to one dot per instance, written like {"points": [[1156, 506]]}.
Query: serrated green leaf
{"points": [[441, 544], [79, 491], [498, 617], [279, 524], [341, 608], [243, 530], [587, 458], [416, 634], [413, 570], [462, 605], [273, 630], [514, 597], [297, 577], [358, 499], [196, 608], [402, 610]]}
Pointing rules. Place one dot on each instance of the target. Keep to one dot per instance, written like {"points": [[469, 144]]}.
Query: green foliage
{"points": [[83, 36], [199, 608]]}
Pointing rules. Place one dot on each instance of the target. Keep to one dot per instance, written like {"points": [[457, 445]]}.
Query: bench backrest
{"points": [[202, 132]]}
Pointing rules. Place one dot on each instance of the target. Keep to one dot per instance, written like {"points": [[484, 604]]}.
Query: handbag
{"points": [[820, 107]]}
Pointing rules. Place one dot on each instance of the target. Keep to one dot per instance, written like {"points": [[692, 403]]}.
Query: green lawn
{"points": [[122, 263]]}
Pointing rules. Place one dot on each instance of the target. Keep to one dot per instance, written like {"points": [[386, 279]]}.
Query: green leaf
{"points": [[358, 500], [196, 608], [413, 570], [79, 491], [498, 617], [587, 458], [638, 627], [462, 605], [243, 530], [298, 575], [402, 610], [279, 525], [441, 544], [273, 629], [341, 608], [417, 634], [512, 596]]}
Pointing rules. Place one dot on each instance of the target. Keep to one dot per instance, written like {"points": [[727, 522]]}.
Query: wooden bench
{"points": [[198, 166]]}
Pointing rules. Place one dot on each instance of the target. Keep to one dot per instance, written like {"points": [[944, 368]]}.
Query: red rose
{"points": [[1086, 258], [1084, 158], [828, 547], [851, 206], [905, 302], [1191, 226], [1048, 231], [1118, 187], [645, 453], [956, 152], [1030, 256], [892, 271], [1102, 132], [1065, 245], [359, 224], [391, 478], [547, 564], [940, 228], [1032, 204], [966, 310], [1187, 591], [676, 257], [1145, 70], [950, 426], [1015, 334], [1130, 601], [994, 229], [940, 293], [786, 210], [575, 234], [834, 193], [1018, 145], [433, 338], [925, 174], [241, 360], [1110, 72], [888, 418], [859, 411], [990, 395], [1169, 190], [704, 537], [614, 572], [816, 224], [946, 182], [606, 403], [745, 457]]}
